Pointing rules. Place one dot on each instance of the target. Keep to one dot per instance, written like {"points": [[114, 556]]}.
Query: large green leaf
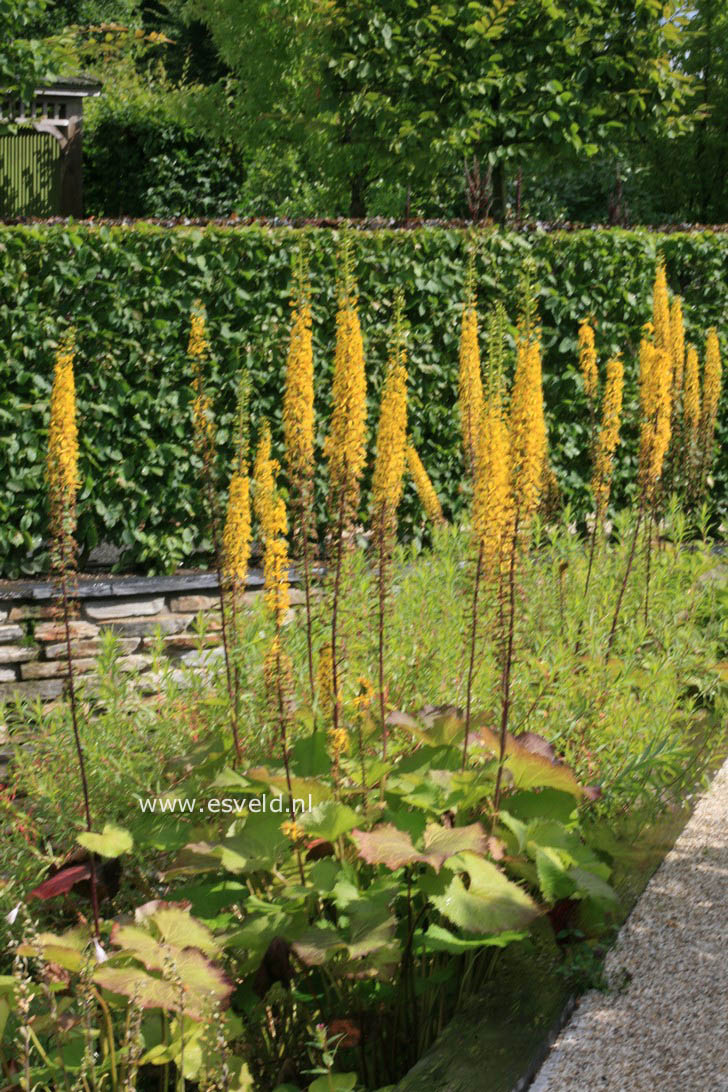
{"points": [[443, 842], [553, 876], [328, 820], [149, 992], [317, 944], [439, 939], [55, 949], [334, 1082], [112, 842], [202, 984], [491, 903], [307, 791], [529, 768], [310, 756]]}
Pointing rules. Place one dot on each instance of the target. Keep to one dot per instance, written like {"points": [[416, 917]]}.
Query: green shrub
{"points": [[140, 163], [128, 291]]}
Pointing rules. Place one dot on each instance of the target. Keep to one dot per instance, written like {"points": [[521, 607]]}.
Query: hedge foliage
{"points": [[128, 291]]}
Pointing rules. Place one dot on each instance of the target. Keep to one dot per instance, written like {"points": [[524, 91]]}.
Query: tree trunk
{"points": [[357, 205], [500, 193]]}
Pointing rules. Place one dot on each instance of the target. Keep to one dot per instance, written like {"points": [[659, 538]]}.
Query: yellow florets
{"points": [[470, 386], [492, 495], [63, 476], [276, 564], [655, 400], [527, 428], [270, 510], [677, 347], [424, 487], [366, 694], [197, 350], [237, 533], [691, 394], [391, 442], [711, 382], [265, 470], [588, 361], [608, 437], [197, 344], [290, 829], [298, 418], [325, 682], [661, 309], [345, 445], [338, 741]]}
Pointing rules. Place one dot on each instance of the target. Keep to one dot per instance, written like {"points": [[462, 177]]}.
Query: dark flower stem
{"points": [[284, 743], [307, 589], [649, 524], [76, 733], [381, 582], [335, 613], [625, 578], [471, 665], [231, 677], [506, 672]]}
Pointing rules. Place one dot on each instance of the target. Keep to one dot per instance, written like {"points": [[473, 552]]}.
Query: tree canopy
{"points": [[379, 86], [25, 59]]}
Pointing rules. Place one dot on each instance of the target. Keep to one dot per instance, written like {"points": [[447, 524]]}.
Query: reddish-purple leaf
{"points": [[62, 882]]}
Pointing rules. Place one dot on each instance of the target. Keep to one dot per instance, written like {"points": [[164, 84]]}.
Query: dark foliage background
{"points": [[128, 292]]}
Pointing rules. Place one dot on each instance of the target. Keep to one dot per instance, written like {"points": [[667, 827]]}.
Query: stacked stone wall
{"points": [[139, 611]]}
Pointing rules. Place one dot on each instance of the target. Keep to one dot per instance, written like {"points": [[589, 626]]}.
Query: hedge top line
{"points": [[373, 225]]}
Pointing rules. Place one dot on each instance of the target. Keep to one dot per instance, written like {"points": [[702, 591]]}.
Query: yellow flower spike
{"points": [[711, 382], [677, 347], [527, 428], [492, 495], [270, 511], [278, 677], [325, 682], [345, 445], [197, 350], [608, 437], [63, 476], [237, 533], [655, 427], [197, 347], [389, 464], [298, 435], [424, 487], [588, 361], [691, 395], [661, 309], [470, 384], [298, 418], [276, 566], [264, 472], [366, 694], [339, 740]]}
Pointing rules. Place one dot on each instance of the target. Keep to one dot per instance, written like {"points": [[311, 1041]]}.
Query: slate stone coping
{"points": [[108, 587]]}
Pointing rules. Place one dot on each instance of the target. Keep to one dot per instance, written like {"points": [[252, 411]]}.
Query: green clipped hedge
{"points": [[128, 291]]}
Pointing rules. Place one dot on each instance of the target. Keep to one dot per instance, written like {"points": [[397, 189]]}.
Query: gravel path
{"points": [[667, 1030]]}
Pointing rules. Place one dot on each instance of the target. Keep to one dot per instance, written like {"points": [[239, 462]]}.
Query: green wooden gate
{"points": [[30, 174]]}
